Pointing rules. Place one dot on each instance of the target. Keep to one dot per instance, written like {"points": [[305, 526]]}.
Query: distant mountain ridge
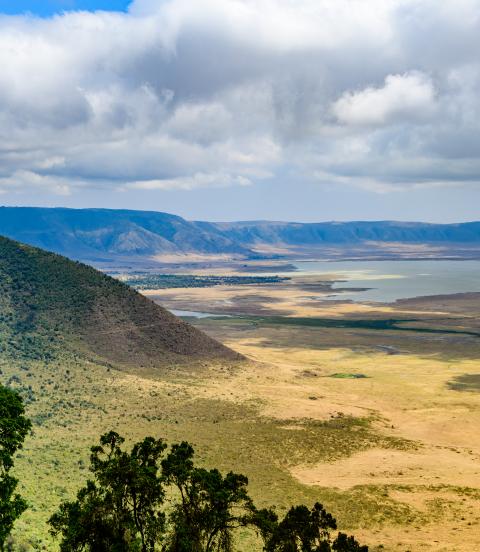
{"points": [[91, 234], [293, 233], [87, 233]]}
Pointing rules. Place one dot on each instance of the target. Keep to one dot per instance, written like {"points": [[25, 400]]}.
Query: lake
{"points": [[196, 314], [392, 280]]}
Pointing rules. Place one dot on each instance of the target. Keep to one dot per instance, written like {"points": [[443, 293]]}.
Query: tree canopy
{"points": [[210, 506], [150, 499], [14, 427], [120, 509]]}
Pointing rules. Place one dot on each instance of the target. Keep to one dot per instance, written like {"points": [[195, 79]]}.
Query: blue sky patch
{"points": [[45, 8]]}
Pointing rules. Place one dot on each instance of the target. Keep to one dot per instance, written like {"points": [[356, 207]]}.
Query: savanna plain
{"points": [[372, 409]]}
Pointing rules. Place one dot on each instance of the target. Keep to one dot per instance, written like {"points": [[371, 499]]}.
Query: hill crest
{"points": [[50, 304]]}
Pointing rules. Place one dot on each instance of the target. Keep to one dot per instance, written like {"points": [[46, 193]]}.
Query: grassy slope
{"points": [[72, 402], [49, 303], [67, 334]]}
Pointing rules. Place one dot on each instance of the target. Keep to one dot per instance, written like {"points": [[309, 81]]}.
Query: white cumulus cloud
{"points": [[182, 94], [402, 97]]}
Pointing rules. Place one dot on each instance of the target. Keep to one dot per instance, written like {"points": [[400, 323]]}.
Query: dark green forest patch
{"points": [[465, 382]]}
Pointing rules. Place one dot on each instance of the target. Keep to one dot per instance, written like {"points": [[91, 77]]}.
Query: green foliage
{"points": [[303, 530], [345, 543], [14, 427], [120, 510], [141, 280], [210, 508], [124, 508]]}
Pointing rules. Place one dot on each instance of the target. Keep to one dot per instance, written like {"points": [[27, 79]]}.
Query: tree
{"points": [[120, 510], [303, 530], [123, 509], [211, 506], [14, 427], [344, 543]]}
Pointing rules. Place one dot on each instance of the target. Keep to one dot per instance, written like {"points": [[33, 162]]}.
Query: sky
{"points": [[47, 8], [303, 110]]}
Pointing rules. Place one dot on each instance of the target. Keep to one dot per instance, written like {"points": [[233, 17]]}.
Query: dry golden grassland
{"points": [[428, 483], [362, 420], [301, 296]]}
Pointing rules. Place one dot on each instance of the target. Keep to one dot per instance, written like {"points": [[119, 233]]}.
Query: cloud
{"points": [[403, 97], [28, 180], [198, 180], [184, 95]]}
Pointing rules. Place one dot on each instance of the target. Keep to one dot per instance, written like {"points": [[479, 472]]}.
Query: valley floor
{"points": [[378, 422], [405, 381]]}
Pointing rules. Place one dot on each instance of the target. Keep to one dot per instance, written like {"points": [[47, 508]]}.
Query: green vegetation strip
{"points": [[465, 382], [363, 324], [348, 376], [142, 281]]}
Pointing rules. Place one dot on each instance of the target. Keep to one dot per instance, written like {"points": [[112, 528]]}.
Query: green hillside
{"points": [[87, 353], [50, 304]]}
